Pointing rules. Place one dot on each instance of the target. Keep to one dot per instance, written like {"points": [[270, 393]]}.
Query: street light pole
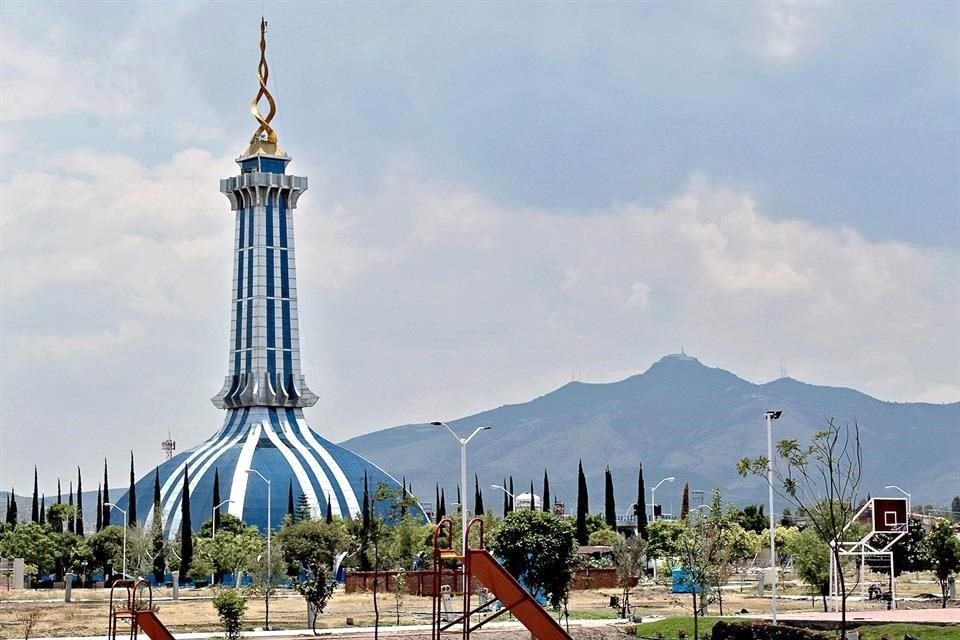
{"points": [[653, 514], [770, 417], [113, 506], [266, 622], [463, 477], [893, 486]]}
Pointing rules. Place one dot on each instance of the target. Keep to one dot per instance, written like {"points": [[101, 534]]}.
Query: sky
{"points": [[503, 197]]}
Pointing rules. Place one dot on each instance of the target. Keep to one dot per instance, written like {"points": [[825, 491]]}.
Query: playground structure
{"points": [[482, 575], [886, 517], [136, 610]]}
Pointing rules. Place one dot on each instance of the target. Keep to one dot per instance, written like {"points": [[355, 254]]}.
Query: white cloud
{"points": [[443, 301], [791, 28], [37, 84]]}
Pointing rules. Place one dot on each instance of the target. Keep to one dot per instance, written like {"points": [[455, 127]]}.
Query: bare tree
{"points": [[822, 480], [627, 560]]}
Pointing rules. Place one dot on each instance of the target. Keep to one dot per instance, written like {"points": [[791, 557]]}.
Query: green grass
{"points": [[670, 626], [922, 631], [593, 615]]}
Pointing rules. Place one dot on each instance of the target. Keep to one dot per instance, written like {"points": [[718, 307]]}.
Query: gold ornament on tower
{"points": [[264, 140]]}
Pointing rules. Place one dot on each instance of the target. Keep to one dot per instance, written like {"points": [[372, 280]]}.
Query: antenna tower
{"points": [[169, 445]]}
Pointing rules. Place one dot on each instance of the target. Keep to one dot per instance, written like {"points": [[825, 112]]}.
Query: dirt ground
{"points": [[193, 612]]}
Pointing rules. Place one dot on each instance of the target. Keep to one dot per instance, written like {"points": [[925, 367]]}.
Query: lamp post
{"points": [[504, 489], [653, 512], [213, 535], [653, 497], [770, 416], [893, 486], [266, 622], [113, 506], [463, 475]]}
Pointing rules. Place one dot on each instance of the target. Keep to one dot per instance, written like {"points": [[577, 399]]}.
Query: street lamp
{"points": [[266, 622], [504, 489], [113, 506], [893, 486], [213, 535], [653, 511], [653, 497], [463, 475], [770, 416]]}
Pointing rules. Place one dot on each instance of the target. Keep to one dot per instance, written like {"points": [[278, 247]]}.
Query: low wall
{"points": [[420, 583]]}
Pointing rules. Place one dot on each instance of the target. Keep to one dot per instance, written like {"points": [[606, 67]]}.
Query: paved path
{"points": [[931, 616]]}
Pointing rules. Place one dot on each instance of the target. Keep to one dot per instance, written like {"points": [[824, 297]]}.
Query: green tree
{"points": [[822, 479], [583, 505], [186, 527], [132, 518], [107, 511], [753, 519], [107, 546], [36, 544], [156, 527], [99, 524], [230, 607], [603, 538], [609, 500], [35, 507], [477, 497], [811, 561], [908, 551], [262, 571], [955, 509], [538, 549], [545, 503], [640, 508], [943, 548], [79, 523], [685, 501]]}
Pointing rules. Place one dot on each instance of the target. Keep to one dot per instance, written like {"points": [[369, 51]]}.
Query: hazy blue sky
{"points": [[503, 196]]}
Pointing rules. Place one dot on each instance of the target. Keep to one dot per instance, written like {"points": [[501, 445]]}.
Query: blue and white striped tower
{"points": [[264, 392]]}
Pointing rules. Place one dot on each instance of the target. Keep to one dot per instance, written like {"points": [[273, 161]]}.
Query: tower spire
{"points": [[264, 140]]}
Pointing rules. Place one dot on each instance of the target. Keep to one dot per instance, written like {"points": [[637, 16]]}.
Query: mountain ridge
{"points": [[680, 418]]}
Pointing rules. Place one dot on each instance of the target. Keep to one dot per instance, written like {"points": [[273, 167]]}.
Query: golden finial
{"points": [[264, 139]]}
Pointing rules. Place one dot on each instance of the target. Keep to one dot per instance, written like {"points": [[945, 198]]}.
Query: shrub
{"points": [[760, 631], [230, 607]]}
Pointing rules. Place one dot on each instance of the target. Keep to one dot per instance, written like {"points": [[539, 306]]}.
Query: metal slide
{"points": [[485, 568], [151, 625]]}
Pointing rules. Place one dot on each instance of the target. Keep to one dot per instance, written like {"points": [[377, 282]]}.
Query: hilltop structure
{"points": [[264, 431]]}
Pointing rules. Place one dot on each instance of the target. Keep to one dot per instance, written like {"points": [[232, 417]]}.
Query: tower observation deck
{"points": [[264, 391]]}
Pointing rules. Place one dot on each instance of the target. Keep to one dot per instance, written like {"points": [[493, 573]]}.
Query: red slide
{"points": [[151, 625], [485, 568]]}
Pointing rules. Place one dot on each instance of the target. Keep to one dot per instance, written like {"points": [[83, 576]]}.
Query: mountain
{"points": [[679, 418]]}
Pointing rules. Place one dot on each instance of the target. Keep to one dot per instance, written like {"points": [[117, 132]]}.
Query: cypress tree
{"points": [[477, 497], [506, 499], [459, 500], [583, 505], [43, 509], [59, 495], [685, 504], [609, 501], [303, 508], [35, 510], [132, 497], [641, 506], [290, 511], [186, 527], [12, 509], [365, 531], [159, 564], [72, 522], [215, 507], [511, 496], [99, 525], [79, 526], [403, 498], [107, 512], [443, 505], [329, 510], [546, 493]]}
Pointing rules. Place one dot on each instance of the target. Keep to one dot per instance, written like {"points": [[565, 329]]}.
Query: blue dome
{"points": [[279, 444]]}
